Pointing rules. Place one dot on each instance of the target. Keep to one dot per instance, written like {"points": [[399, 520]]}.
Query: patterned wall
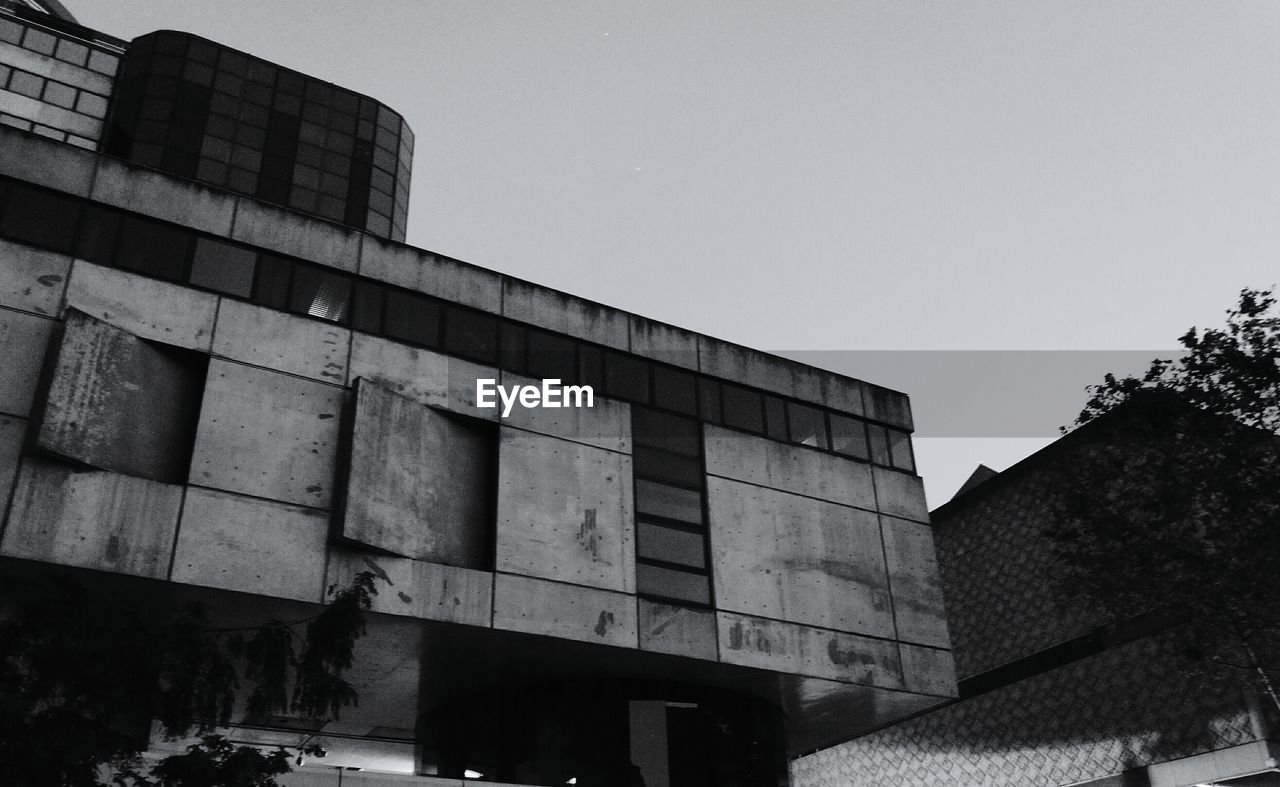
{"points": [[1123, 708]]}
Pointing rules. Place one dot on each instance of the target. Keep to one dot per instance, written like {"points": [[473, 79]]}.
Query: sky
{"points": [[986, 205]]}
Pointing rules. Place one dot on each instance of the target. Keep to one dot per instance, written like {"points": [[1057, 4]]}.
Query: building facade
{"points": [[211, 390], [1051, 693]]}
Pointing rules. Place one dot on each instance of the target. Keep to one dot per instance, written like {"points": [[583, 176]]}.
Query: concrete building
{"points": [[222, 378], [1051, 693]]}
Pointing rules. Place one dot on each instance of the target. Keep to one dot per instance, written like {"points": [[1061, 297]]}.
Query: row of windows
{"points": [[13, 121], [51, 91], [111, 237], [65, 49]]}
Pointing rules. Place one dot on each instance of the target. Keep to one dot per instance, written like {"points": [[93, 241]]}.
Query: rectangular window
{"points": [[626, 377], [808, 425], [664, 466], [670, 583], [153, 249], [223, 267], [669, 433], [675, 389], [879, 444], [743, 409], [367, 307], [591, 367], [849, 437], [775, 418], [271, 286], [412, 318], [709, 400], [551, 356], [319, 293], [900, 453], [512, 347], [668, 502], [670, 545], [40, 218], [97, 239], [471, 334]]}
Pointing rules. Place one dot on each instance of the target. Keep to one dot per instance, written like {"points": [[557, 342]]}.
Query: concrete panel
{"points": [[254, 546], [419, 483], [803, 650], [24, 338], [92, 519], [663, 342], [888, 406], [144, 307], [929, 671], [32, 280], [426, 377], [680, 631], [606, 424], [296, 235], [564, 313], [418, 589], [553, 609], [12, 432], [565, 512], [283, 342], [52, 164], [914, 581], [267, 434], [116, 402], [764, 462], [900, 494], [432, 274], [771, 373], [165, 197], [793, 558]]}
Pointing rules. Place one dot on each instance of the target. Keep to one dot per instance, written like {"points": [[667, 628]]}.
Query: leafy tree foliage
{"points": [[82, 675], [1171, 504]]}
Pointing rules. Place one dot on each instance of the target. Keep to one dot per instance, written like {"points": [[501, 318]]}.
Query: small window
{"points": [[97, 239], [223, 267], [319, 293], [808, 425], [675, 389], [743, 409], [673, 584], [670, 545], [666, 432], [412, 318], [709, 400], [471, 334], [879, 444], [626, 377], [591, 366], [512, 346], [153, 249], [40, 218], [849, 436], [665, 466], [271, 287], [367, 314], [668, 502], [551, 356], [775, 418], [900, 450]]}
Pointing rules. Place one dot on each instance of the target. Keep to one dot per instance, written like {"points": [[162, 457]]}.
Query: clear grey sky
{"points": [[835, 176]]}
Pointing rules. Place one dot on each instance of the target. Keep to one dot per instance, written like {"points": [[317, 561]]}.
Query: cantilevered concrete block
{"points": [[119, 403], [555, 609], [565, 511], [678, 630], [32, 280], [283, 342], [239, 543], [804, 650], [606, 424], [764, 462], [420, 482], [267, 434], [144, 307], [913, 576], [92, 519], [900, 494], [426, 377], [418, 589], [23, 341], [793, 558]]}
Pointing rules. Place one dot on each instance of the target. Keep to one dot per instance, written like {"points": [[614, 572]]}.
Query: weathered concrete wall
{"points": [[805, 650], [238, 543], [52, 164], [24, 339], [426, 377], [267, 434], [900, 495], [765, 462], [678, 630], [422, 271], [296, 235], [144, 307], [606, 424], [116, 402], [180, 201], [12, 433], [793, 558], [417, 481], [662, 342], [918, 608], [92, 519], [32, 280], [565, 511], [419, 589], [555, 609], [564, 313], [283, 342]]}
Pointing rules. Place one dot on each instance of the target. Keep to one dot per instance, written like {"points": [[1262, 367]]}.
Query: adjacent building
{"points": [[223, 377]]}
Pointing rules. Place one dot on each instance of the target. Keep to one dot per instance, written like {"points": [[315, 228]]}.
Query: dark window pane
{"points": [[222, 267], [591, 367], [367, 316], [319, 293], [471, 334], [655, 463], [153, 249], [40, 218], [666, 432], [743, 409], [626, 377], [670, 545], [849, 436], [709, 400], [413, 318], [675, 389], [808, 425], [669, 583], [900, 450], [551, 356], [511, 352], [668, 502], [775, 417], [879, 444], [272, 286]]}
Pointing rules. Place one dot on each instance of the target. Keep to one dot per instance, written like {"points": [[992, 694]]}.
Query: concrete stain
{"points": [[603, 624]]}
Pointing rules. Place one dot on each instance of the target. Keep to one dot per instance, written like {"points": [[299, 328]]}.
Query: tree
{"points": [[82, 674], [1171, 504]]}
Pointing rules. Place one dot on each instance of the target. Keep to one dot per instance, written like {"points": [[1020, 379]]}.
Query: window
{"points": [[320, 293], [849, 437], [367, 313], [808, 425], [879, 444], [674, 389], [153, 249], [551, 356], [900, 450], [223, 267], [271, 286], [743, 409], [40, 218], [626, 377], [775, 418], [471, 334], [412, 318]]}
